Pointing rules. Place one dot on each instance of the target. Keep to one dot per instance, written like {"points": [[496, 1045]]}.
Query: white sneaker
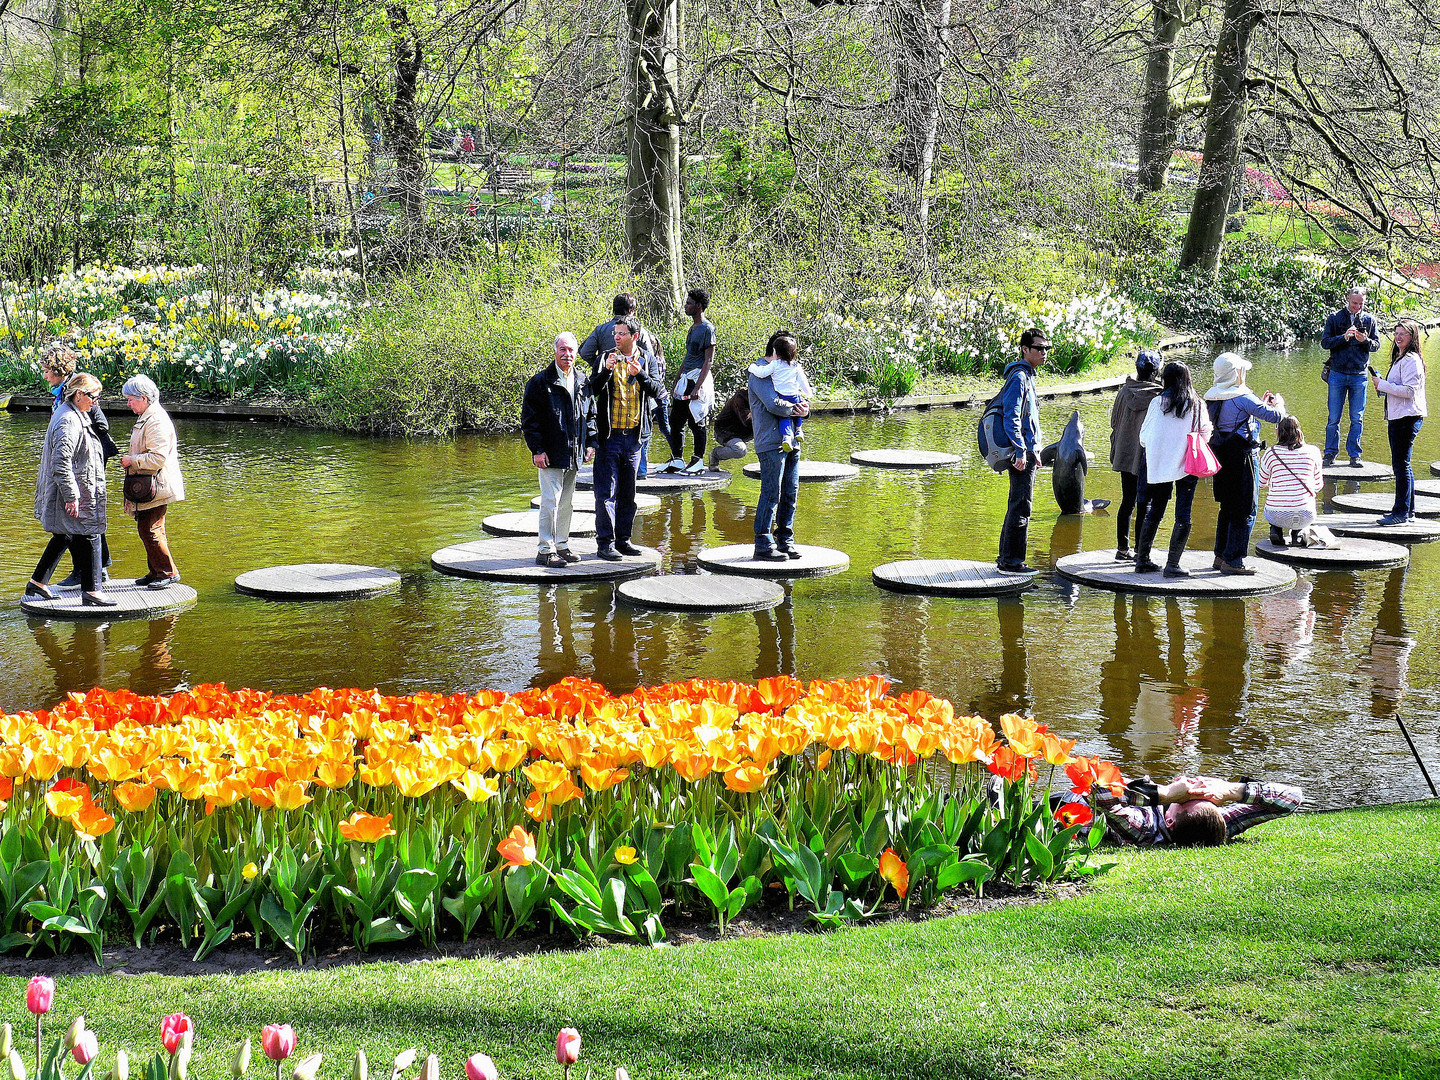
{"points": [[696, 466], [674, 465]]}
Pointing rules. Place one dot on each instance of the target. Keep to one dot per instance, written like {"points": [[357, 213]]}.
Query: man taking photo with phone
{"points": [[1351, 336]]}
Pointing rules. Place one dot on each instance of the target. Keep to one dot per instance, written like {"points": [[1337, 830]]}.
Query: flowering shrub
{"points": [[168, 323], [345, 813]]}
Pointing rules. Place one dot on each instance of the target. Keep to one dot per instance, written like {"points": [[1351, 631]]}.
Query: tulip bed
{"points": [[348, 814]]}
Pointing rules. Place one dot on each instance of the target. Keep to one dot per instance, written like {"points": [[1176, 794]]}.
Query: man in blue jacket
{"points": [[557, 418], [1351, 336], [1020, 416]]}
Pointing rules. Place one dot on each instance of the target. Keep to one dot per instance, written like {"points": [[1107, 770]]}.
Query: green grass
{"points": [[1308, 949]]}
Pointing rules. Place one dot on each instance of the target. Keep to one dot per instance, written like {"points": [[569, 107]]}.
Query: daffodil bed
{"points": [[349, 814]]}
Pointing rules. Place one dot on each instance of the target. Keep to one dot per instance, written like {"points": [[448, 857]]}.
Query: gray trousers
{"points": [[724, 449], [557, 492]]}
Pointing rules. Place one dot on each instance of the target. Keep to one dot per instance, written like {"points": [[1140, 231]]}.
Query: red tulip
{"points": [[40, 995], [480, 1067], [278, 1041], [1074, 814], [86, 1047], [567, 1047], [173, 1029]]}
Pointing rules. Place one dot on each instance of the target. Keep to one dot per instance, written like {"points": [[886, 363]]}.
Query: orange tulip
{"points": [[823, 761], [92, 822], [290, 795], [1008, 765], [546, 776], [1069, 814], [537, 806], [1022, 735], [746, 778], [134, 797], [1057, 751], [517, 849], [366, 828], [894, 870]]}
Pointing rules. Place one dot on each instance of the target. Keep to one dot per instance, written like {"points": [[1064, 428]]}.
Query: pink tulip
{"points": [[480, 1067], [173, 1029], [86, 1047], [567, 1047], [40, 995], [278, 1041]]}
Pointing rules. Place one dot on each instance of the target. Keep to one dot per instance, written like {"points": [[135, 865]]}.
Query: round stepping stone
{"points": [[512, 558], [1368, 471], [1435, 468], [527, 523], [949, 577], [904, 459], [1353, 553], [811, 472], [1419, 531], [317, 581], [1428, 487], [583, 502], [702, 593], [665, 483], [1100, 570], [736, 559], [131, 602], [1379, 503]]}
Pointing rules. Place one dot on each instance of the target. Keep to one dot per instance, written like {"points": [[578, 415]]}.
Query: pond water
{"points": [[1301, 685]]}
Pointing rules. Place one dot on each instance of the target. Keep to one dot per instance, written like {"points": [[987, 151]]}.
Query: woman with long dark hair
{"points": [[1126, 456], [1405, 412], [1165, 435]]}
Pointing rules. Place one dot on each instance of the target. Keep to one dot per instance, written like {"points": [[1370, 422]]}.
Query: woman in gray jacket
{"points": [[70, 492]]}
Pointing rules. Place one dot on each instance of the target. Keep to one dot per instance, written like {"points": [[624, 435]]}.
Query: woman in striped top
{"points": [[1291, 470]]}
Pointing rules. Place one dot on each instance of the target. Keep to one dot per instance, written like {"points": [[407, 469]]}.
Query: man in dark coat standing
{"points": [[1351, 336], [557, 418]]}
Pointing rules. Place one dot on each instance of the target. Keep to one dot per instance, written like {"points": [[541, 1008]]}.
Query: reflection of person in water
{"points": [[557, 639], [1285, 623], [79, 664], [1390, 647], [1224, 680], [155, 672], [616, 655], [1337, 599], [776, 634], [1012, 693], [1137, 655]]}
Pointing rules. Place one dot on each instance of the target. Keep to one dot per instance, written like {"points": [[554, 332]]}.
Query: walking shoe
{"points": [[568, 555], [551, 560], [1327, 461], [1277, 538], [34, 588], [1393, 519], [697, 465], [91, 599], [69, 582], [146, 581], [625, 547], [787, 444], [1236, 570], [1175, 571], [788, 550], [1297, 539], [674, 465], [1219, 562], [608, 553], [163, 582], [1015, 568], [1124, 555], [1145, 565], [769, 555], [1355, 463]]}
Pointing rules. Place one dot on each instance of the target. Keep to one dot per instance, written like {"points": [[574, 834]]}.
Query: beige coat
{"points": [[154, 448]]}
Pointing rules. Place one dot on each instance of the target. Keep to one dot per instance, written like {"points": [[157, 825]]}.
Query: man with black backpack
{"points": [[1019, 428]]}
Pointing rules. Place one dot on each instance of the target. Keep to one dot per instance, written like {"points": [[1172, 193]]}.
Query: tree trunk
{"points": [[401, 115], [652, 168], [1224, 133], [1157, 128], [920, 29]]}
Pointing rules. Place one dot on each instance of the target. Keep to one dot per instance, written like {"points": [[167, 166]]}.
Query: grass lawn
{"points": [[1309, 949]]}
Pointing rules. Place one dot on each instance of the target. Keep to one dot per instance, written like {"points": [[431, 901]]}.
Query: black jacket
{"points": [[649, 387], [555, 424], [1350, 357]]}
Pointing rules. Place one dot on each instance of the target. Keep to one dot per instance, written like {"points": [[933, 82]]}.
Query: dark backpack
{"points": [[995, 445]]}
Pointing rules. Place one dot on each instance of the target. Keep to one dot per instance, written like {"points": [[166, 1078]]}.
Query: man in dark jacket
{"points": [[625, 393], [602, 341], [1020, 416], [557, 418], [1351, 336]]}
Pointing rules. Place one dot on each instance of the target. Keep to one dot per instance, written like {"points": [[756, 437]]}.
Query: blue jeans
{"points": [[1353, 388], [779, 488], [1159, 499], [1402, 440], [616, 463]]}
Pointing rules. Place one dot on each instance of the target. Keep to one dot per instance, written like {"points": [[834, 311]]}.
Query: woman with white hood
{"points": [[1235, 414]]}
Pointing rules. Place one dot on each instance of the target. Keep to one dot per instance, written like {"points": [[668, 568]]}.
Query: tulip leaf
{"points": [[1040, 855], [962, 873], [855, 869], [385, 930], [709, 883]]}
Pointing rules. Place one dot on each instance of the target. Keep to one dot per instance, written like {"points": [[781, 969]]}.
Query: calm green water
{"points": [[1300, 685]]}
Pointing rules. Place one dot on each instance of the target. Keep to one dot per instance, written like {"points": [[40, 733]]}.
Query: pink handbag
{"points": [[1200, 460]]}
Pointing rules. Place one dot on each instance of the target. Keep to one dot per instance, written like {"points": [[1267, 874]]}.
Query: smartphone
{"points": [[1373, 371]]}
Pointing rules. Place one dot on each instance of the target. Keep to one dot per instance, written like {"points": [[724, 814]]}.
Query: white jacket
{"points": [[1404, 387], [1165, 439]]}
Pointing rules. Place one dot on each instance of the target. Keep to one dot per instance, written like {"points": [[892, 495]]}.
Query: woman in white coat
{"points": [[153, 460], [1404, 390], [1165, 436]]}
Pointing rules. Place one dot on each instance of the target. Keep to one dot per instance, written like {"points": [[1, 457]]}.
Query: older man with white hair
{"points": [[557, 419]]}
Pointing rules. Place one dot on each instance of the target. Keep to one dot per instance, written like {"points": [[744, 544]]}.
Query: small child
{"points": [[782, 368]]}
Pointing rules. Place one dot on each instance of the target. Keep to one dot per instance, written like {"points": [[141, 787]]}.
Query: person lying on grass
{"points": [[1189, 811]]}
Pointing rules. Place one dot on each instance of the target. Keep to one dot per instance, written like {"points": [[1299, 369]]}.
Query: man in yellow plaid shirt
{"points": [[621, 386]]}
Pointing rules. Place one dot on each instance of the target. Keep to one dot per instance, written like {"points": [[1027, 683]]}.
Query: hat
{"points": [[1230, 371], [1034, 337]]}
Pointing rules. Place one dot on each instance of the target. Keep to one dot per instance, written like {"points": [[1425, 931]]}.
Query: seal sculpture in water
{"points": [[1071, 462]]}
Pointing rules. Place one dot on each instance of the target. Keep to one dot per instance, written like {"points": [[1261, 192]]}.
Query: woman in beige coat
{"points": [[154, 451]]}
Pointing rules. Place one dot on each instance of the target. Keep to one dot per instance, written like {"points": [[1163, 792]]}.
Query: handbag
{"points": [[1200, 460], [140, 488]]}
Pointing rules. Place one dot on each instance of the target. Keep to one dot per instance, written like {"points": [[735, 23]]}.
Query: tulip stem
{"points": [[277, 1069], [37, 1045]]}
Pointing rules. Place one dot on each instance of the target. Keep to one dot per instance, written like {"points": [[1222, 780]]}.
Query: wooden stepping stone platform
{"points": [[317, 581], [1368, 471], [1435, 468], [1100, 570], [527, 523], [512, 558], [1419, 531], [949, 577], [904, 459], [1378, 503], [701, 593], [736, 559], [1354, 553], [665, 483], [811, 472], [131, 602], [1428, 487], [583, 502]]}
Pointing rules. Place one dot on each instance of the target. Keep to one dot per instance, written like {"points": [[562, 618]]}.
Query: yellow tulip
{"points": [[134, 797], [63, 804], [546, 776], [476, 786], [626, 856]]}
